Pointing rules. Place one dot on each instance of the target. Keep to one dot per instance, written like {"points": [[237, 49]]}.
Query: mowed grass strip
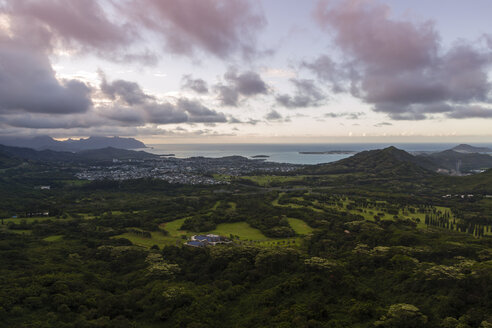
{"points": [[173, 227], [267, 180], [30, 220], [300, 227], [53, 238], [19, 232]]}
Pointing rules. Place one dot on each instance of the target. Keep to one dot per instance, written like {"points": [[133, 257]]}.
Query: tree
{"points": [[402, 316]]}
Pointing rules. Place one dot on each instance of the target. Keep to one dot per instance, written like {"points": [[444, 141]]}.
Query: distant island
{"points": [[260, 156], [72, 145], [328, 152], [463, 148], [167, 155]]}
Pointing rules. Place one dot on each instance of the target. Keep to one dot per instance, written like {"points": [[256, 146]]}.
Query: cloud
{"points": [[197, 85], [50, 121], [349, 116], [234, 120], [78, 26], [199, 113], [106, 130], [128, 92], [422, 111], [219, 27], [119, 30], [131, 105], [273, 115], [327, 70], [470, 112], [82, 21], [246, 84], [227, 95], [28, 83], [307, 94], [381, 124], [398, 66]]}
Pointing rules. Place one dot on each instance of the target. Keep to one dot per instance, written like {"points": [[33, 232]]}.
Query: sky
{"points": [[269, 71]]}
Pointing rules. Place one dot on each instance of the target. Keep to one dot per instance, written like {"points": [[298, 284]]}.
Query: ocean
{"points": [[289, 153]]}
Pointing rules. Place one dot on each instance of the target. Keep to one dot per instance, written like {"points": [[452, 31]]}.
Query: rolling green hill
{"points": [[448, 159], [7, 161], [478, 183], [389, 162]]}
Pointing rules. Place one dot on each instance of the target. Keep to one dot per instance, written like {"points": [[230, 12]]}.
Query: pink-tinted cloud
{"points": [[398, 66], [114, 29], [83, 21], [307, 95], [219, 27], [245, 84]]}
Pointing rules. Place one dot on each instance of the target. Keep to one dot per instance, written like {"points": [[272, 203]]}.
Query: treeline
{"points": [[444, 221]]}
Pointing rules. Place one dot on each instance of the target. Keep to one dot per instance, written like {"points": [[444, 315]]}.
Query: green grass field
{"points": [[157, 238], [267, 180], [276, 203], [173, 227], [300, 227], [30, 220], [222, 177], [241, 229], [246, 234], [53, 238]]}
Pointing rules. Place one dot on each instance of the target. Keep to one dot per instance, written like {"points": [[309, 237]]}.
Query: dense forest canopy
{"points": [[350, 244]]}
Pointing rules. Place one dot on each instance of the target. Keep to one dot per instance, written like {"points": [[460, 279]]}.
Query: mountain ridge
{"points": [[103, 154], [72, 145], [465, 148]]}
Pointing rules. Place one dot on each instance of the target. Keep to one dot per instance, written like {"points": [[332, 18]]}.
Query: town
{"points": [[194, 170]]}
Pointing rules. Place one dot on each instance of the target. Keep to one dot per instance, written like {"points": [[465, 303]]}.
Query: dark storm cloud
{"points": [[246, 84], [197, 85], [307, 94], [28, 83], [399, 66]]}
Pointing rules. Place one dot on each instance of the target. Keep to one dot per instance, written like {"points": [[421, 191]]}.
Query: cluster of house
{"points": [[206, 240]]}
